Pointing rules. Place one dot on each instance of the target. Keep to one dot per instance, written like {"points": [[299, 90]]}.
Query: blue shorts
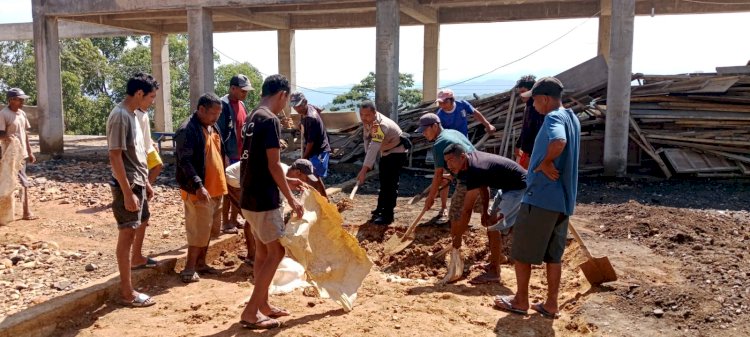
{"points": [[508, 204], [320, 164]]}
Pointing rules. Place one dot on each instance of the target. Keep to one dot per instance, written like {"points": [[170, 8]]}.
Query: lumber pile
{"points": [[699, 123]]}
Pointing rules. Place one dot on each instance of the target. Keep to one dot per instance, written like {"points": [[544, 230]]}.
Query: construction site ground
{"points": [[680, 248]]}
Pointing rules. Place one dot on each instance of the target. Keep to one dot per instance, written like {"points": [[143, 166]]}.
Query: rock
{"points": [[29, 265], [61, 285], [397, 326], [53, 245], [310, 304], [195, 307], [165, 234], [7, 263], [229, 263], [91, 267], [658, 313], [21, 286], [16, 259], [697, 247]]}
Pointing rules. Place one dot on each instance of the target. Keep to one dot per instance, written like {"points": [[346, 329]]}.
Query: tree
{"points": [[224, 73], [408, 96]]}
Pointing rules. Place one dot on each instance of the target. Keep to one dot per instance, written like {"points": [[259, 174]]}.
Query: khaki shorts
{"points": [[266, 226], [457, 202], [153, 159], [202, 220]]}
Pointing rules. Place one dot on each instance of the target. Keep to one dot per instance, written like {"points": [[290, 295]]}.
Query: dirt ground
{"points": [[679, 247]]}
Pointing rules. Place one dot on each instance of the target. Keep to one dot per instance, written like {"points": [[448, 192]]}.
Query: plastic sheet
{"points": [[10, 164], [289, 276], [333, 260]]}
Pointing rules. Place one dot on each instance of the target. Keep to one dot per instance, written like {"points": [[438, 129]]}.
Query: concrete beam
{"points": [[618, 89], [546, 11], [200, 53], [48, 81], [105, 20], [160, 70], [605, 27], [66, 30], [419, 12], [287, 58], [431, 62], [266, 20], [386, 63]]}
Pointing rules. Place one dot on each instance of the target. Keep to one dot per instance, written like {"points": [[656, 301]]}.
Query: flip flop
{"points": [[539, 307], [279, 312], [506, 305], [189, 276], [150, 263], [30, 217], [140, 301], [273, 324], [484, 279]]}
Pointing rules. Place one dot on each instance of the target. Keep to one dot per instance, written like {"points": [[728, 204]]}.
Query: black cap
{"points": [[304, 166], [546, 86], [427, 120], [16, 92], [241, 81]]}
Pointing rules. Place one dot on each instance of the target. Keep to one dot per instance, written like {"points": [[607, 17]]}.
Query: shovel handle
{"points": [[580, 241], [414, 224], [354, 191]]}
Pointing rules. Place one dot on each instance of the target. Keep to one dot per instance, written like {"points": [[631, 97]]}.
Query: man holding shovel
{"points": [[479, 171], [541, 229]]}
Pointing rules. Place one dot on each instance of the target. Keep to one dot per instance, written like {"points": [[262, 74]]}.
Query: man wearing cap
{"points": [[430, 126], [302, 170], [532, 122], [479, 171], [15, 123], [316, 147], [454, 116], [233, 114], [541, 228], [382, 136]]}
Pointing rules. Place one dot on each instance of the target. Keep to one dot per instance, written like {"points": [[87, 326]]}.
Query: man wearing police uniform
{"points": [[382, 136]]}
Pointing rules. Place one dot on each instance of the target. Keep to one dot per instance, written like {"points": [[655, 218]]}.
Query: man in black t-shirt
{"points": [[262, 180], [316, 147], [480, 171]]}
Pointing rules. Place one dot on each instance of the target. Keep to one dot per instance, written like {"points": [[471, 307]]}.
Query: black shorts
{"points": [[125, 218], [539, 235]]}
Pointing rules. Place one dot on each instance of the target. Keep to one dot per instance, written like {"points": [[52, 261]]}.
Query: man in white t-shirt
{"points": [[14, 123]]}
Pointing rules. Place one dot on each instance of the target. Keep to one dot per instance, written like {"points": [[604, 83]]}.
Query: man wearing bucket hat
{"points": [[13, 122], [541, 228], [231, 120]]}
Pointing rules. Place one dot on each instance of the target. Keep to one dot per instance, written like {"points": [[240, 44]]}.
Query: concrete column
{"points": [[386, 64], [287, 58], [200, 53], [48, 81], [605, 27], [618, 89], [160, 70], [431, 64]]}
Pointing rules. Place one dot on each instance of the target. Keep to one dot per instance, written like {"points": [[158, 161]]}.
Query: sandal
{"points": [[140, 301], [30, 217], [189, 276], [539, 307], [150, 263], [263, 324], [278, 312], [485, 278], [504, 303]]}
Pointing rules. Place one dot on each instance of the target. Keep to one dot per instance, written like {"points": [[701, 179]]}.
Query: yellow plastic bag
{"points": [[10, 164], [333, 260]]}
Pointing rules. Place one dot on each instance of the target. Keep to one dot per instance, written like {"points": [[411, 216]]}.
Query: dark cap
{"points": [[427, 120], [297, 98], [241, 81], [546, 86], [16, 92], [304, 166]]}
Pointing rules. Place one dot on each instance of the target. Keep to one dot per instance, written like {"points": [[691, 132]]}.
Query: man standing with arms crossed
{"points": [[541, 229], [382, 136], [262, 178], [130, 185], [233, 114]]}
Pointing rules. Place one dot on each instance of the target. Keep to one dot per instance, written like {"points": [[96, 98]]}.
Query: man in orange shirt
{"points": [[200, 175]]}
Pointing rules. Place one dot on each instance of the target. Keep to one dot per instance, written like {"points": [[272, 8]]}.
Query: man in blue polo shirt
{"points": [[541, 228]]}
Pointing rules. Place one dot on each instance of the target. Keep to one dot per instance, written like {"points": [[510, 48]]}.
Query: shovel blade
{"points": [[598, 270], [397, 243]]}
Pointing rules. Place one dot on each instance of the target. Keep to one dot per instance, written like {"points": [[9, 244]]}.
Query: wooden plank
{"points": [[735, 157], [733, 70], [702, 141], [701, 146], [585, 77], [688, 161], [648, 148]]}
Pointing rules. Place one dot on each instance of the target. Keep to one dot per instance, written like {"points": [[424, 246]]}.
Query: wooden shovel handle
{"points": [[580, 241], [414, 224]]}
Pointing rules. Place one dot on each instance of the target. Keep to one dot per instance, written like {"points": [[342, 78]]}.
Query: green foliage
{"points": [[408, 96], [224, 73], [95, 72]]}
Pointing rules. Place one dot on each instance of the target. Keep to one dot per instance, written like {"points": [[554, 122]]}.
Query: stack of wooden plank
{"points": [[699, 123]]}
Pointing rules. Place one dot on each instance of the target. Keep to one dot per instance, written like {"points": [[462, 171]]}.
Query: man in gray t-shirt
{"points": [[130, 185]]}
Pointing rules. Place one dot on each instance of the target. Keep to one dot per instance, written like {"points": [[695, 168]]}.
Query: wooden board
{"points": [[585, 77], [733, 70], [688, 161]]}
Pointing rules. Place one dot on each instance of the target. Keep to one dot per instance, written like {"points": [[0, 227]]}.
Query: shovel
{"points": [[354, 191], [597, 270], [424, 193], [397, 243]]}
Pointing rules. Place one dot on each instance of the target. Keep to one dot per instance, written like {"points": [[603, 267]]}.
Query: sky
{"points": [[332, 60]]}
